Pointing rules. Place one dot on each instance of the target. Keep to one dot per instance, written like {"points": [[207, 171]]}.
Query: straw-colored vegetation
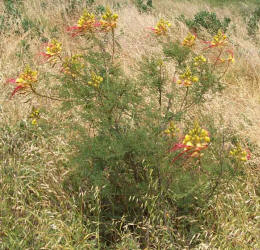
{"points": [[49, 200]]}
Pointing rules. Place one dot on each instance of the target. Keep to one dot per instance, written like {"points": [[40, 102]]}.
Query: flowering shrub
{"points": [[121, 149]]}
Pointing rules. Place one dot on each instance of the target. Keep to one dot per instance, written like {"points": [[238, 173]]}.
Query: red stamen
{"points": [[16, 89], [11, 80]]}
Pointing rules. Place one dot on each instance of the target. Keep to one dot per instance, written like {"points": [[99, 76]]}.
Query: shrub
{"points": [[149, 157], [208, 21]]}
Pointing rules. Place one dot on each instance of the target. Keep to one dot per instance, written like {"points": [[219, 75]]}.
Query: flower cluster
{"points": [[239, 154], [53, 50], [187, 78], [196, 140], [199, 60], [189, 40], [86, 23], [219, 40], [25, 79], [197, 137], [95, 80], [72, 65], [161, 27], [171, 130], [108, 21], [35, 115]]}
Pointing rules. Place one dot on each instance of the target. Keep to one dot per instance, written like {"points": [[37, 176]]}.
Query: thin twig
{"points": [[50, 97]]}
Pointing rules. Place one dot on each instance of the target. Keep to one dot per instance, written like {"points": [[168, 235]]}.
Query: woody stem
{"points": [[185, 98], [113, 44], [49, 97]]}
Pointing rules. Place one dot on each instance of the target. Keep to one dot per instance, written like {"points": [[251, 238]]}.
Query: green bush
{"points": [[140, 171], [208, 21], [128, 157]]}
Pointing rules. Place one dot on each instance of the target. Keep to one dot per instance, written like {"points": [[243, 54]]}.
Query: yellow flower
{"points": [[24, 80], [197, 138], [109, 20], [193, 143], [86, 21], [95, 80], [189, 40], [161, 27], [27, 78], [195, 79], [171, 130], [187, 78], [35, 115], [54, 48], [239, 154], [199, 60], [219, 40], [34, 122]]}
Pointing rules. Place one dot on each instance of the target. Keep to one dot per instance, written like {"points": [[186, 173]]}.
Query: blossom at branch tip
{"points": [[171, 129], [35, 115], [52, 51], [194, 141], [187, 78], [199, 60], [86, 23], [95, 81], [24, 80], [219, 40], [239, 154], [161, 27], [189, 40], [108, 21]]}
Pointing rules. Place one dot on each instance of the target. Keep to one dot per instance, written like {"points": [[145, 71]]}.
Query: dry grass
{"points": [[35, 211]]}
